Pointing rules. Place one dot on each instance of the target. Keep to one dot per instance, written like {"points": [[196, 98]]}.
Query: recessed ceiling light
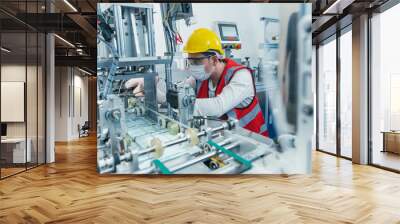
{"points": [[86, 72], [64, 40], [5, 50], [337, 7], [70, 5]]}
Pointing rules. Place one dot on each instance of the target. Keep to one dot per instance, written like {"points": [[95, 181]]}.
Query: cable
{"points": [[169, 29], [208, 118], [170, 38], [120, 86]]}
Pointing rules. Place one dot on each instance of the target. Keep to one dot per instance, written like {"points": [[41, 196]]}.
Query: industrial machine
{"points": [[267, 68], [139, 135], [229, 35]]}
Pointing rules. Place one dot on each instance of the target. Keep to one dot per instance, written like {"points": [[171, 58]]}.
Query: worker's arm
{"points": [[137, 84], [239, 90], [162, 88], [138, 88]]}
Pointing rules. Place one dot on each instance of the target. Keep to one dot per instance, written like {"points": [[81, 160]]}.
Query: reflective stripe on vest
{"points": [[231, 114], [246, 119], [229, 73], [198, 85], [263, 128]]}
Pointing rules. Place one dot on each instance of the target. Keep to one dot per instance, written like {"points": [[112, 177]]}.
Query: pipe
{"points": [[193, 161], [168, 144], [181, 140]]}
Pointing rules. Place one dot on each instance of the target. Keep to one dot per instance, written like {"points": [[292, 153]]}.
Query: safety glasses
{"points": [[195, 61]]}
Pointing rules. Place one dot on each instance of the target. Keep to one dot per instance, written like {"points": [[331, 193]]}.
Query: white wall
{"points": [[67, 114], [247, 16], [61, 103], [158, 30], [16, 73], [80, 83], [33, 126]]}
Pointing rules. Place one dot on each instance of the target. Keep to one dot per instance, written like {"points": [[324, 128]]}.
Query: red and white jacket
{"points": [[251, 116]]}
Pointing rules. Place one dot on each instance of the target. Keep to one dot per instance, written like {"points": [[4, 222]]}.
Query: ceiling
{"points": [[331, 15], [75, 21]]}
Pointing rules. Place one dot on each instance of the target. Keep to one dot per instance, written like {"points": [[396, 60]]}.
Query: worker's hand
{"points": [[137, 84]]}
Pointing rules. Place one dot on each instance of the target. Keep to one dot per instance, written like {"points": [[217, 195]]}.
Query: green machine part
{"points": [[161, 167], [246, 163]]}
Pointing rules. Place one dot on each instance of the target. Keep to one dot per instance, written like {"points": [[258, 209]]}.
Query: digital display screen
{"points": [[228, 32]]}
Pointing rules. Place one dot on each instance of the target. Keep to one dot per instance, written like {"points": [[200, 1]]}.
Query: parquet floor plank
{"points": [[71, 191]]}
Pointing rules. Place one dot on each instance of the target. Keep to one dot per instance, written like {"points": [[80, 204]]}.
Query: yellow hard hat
{"points": [[203, 40]]}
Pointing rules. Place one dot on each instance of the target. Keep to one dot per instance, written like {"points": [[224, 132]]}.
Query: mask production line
{"points": [[139, 135]]}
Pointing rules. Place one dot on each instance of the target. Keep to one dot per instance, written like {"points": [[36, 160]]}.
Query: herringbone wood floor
{"points": [[70, 191]]}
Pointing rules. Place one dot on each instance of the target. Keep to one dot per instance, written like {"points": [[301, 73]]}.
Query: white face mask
{"points": [[197, 71]]}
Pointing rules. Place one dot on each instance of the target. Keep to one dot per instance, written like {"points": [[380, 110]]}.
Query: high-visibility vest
{"points": [[249, 117]]}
